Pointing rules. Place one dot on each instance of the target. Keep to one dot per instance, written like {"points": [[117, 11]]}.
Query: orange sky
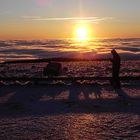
{"points": [[55, 20], [56, 30]]}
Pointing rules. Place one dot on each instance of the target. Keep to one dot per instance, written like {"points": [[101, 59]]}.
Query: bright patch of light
{"points": [[82, 32]]}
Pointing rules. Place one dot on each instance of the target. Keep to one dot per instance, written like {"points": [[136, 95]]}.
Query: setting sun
{"points": [[82, 32]]}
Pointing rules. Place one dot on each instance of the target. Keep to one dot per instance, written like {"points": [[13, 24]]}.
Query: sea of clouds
{"points": [[128, 48]]}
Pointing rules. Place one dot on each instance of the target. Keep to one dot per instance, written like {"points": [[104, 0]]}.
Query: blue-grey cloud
{"points": [[131, 49]]}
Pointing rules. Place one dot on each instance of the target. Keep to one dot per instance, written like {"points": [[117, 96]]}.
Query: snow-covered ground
{"points": [[70, 111], [90, 68], [74, 112]]}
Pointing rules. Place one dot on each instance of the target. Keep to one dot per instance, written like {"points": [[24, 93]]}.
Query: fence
{"points": [[44, 79]]}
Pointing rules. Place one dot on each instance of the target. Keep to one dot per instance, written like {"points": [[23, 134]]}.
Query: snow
{"points": [[69, 112]]}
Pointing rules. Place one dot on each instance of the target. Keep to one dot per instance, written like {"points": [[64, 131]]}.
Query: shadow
{"points": [[121, 93], [20, 99], [6, 92], [74, 92], [63, 99], [91, 92]]}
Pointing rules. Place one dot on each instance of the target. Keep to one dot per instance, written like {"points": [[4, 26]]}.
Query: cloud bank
{"points": [[23, 49]]}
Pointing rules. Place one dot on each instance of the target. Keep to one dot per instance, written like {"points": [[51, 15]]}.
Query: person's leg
{"points": [[117, 79]]}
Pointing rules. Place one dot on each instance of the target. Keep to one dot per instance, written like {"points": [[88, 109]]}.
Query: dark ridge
{"points": [[51, 59]]}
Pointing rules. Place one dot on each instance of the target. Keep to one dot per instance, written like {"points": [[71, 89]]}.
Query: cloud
{"points": [[131, 49], [72, 19], [24, 49]]}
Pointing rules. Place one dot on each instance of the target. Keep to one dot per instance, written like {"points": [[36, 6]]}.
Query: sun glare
{"points": [[81, 33]]}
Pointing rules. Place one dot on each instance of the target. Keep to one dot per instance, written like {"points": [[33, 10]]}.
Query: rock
{"points": [[52, 69]]}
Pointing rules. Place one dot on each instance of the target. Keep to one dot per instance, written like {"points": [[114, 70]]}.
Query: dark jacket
{"points": [[115, 63]]}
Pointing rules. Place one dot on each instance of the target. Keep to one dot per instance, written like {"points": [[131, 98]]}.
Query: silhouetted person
{"points": [[116, 60]]}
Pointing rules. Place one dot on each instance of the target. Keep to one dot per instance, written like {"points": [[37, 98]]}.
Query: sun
{"points": [[81, 33]]}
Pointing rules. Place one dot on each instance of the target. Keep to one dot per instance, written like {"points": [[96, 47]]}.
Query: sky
{"points": [[54, 19]]}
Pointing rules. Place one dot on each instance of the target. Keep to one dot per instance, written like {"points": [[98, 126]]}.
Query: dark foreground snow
{"points": [[69, 112]]}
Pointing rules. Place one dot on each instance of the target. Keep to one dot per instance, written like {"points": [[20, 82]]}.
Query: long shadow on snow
{"points": [[56, 100]]}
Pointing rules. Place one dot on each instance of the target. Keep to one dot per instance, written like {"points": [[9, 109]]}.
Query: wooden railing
{"points": [[33, 79], [52, 59]]}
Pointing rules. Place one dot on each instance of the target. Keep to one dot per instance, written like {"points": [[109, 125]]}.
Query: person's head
{"points": [[113, 51]]}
